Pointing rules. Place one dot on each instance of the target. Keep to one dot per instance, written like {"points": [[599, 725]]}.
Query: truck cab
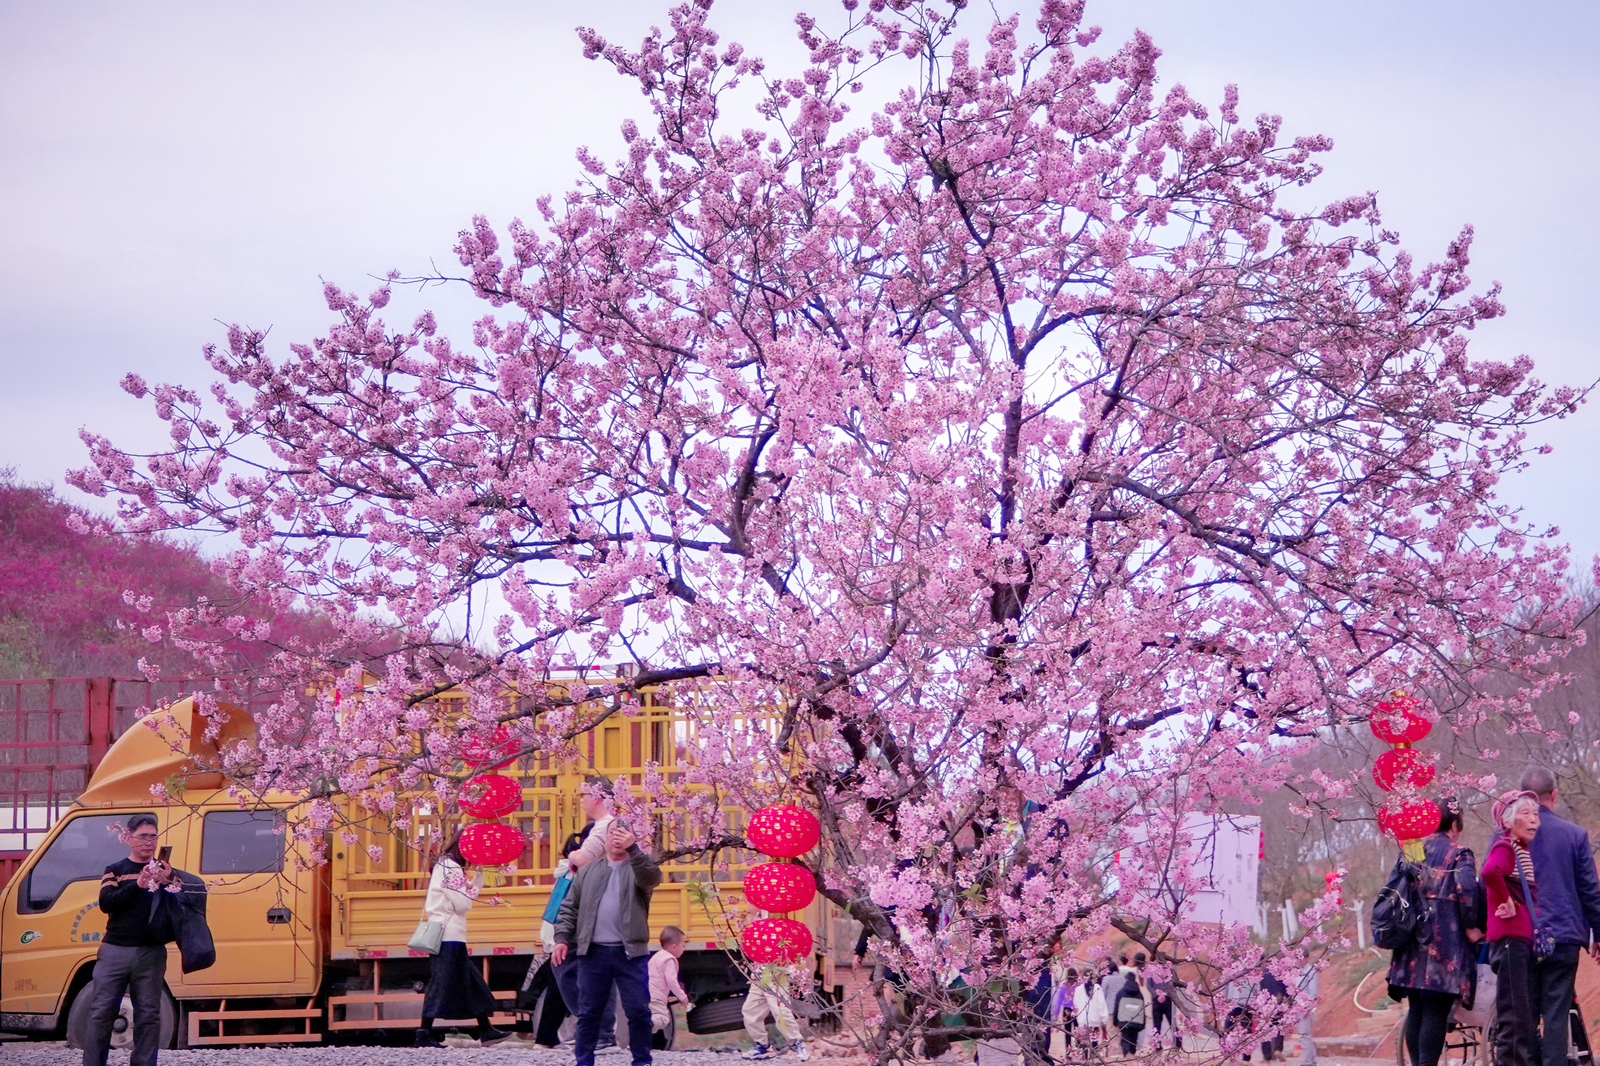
{"points": [[266, 908]]}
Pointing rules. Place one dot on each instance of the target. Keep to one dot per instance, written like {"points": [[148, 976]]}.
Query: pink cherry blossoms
{"points": [[1051, 477]]}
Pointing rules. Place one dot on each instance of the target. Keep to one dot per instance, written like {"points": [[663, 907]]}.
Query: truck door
{"points": [[259, 916], [52, 921]]}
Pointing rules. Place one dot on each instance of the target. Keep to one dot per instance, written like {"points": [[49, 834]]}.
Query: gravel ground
{"points": [[507, 1054], [510, 1053]]}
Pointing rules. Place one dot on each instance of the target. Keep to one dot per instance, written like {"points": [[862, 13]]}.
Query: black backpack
{"points": [[1402, 915]]}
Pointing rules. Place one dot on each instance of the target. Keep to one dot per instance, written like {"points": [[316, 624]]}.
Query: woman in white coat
{"points": [[456, 988], [1089, 1010]]}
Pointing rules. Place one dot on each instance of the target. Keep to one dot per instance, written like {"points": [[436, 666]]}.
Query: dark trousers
{"points": [[568, 983], [542, 996], [1516, 1037], [1161, 1018], [605, 967], [552, 1015], [1130, 1037], [1552, 989], [141, 973], [1427, 1019]]}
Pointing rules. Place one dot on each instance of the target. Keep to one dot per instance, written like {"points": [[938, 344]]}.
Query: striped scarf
{"points": [[1524, 863]]}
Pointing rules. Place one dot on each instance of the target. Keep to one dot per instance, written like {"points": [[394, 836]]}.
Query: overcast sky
{"points": [[165, 167]]}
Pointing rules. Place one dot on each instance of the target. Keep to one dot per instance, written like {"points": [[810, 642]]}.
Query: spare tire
{"points": [[717, 1016]]}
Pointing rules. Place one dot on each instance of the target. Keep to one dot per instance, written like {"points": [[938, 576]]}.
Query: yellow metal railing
{"points": [[381, 897]]}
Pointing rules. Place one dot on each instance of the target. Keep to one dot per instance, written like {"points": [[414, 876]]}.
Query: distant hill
{"points": [[63, 612]]}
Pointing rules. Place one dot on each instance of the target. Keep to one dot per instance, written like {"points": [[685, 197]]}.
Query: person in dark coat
{"points": [[1433, 977], [133, 953], [1273, 986], [1569, 910], [1127, 1013]]}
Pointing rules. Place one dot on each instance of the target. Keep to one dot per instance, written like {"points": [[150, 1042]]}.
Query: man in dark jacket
{"points": [[133, 952], [605, 923], [1569, 910]]}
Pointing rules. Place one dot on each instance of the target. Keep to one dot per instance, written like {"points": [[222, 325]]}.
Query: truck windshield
{"points": [[82, 850]]}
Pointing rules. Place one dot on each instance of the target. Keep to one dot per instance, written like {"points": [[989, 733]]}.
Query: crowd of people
{"points": [[1116, 1002], [1529, 912], [597, 953]]}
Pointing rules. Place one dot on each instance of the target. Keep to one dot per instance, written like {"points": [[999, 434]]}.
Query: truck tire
{"points": [[78, 1021], [717, 1016]]}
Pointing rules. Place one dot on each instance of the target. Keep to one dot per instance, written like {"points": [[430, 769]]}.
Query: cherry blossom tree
{"points": [[1025, 450]]}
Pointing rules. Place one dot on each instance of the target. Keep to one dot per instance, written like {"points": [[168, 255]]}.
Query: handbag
{"points": [[1480, 1010], [558, 892], [1544, 942], [196, 949], [428, 936], [187, 912]]}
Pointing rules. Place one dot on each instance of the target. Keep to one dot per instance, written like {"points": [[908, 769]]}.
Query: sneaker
{"points": [[760, 1051], [798, 1050]]}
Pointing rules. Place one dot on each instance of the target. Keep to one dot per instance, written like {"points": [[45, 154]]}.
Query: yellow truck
{"points": [[307, 952]]}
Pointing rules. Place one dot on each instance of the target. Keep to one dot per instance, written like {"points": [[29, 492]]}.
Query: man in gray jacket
{"points": [[605, 923]]}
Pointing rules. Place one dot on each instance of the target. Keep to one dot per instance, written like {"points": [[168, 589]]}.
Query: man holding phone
{"points": [[133, 952], [605, 924]]}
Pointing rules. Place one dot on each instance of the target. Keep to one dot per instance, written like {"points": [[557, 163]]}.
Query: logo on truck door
{"points": [[30, 936], [85, 937]]}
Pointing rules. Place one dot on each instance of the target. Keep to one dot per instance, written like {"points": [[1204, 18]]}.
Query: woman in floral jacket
{"points": [[1434, 976]]}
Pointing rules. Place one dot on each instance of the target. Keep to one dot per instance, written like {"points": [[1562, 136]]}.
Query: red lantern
{"points": [[779, 940], [496, 751], [1402, 767], [490, 796], [1411, 821], [1397, 721], [492, 844], [783, 832], [779, 887]]}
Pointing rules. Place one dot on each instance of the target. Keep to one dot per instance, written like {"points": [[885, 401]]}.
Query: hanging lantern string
{"points": [[1397, 722]]}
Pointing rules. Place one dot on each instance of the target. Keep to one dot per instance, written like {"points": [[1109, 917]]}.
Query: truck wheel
{"points": [[717, 1016], [122, 1027]]}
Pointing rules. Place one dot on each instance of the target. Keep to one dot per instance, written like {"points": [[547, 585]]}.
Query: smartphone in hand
{"points": [[165, 854]]}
